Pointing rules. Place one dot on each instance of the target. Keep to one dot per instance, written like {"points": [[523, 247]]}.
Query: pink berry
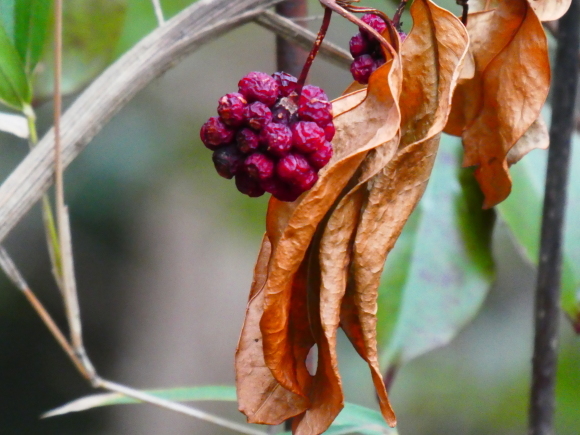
{"points": [[286, 83], [259, 167], [320, 158], [375, 22], [306, 180], [257, 115], [307, 136], [313, 105], [231, 109], [227, 161], [402, 35], [291, 167], [362, 68], [248, 186], [329, 131], [247, 140], [215, 133], [259, 86], [359, 44], [276, 139]]}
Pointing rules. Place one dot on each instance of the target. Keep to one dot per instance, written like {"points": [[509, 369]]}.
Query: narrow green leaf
{"points": [[14, 86], [31, 21], [7, 17], [441, 268], [184, 394], [522, 212]]}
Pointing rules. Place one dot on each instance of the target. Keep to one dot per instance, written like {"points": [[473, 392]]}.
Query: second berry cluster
{"points": [[269, 137]]}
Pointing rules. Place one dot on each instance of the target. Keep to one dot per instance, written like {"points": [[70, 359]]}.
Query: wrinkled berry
{"points": [[247, 140], [280, 190], [248, 186], [215, 133], [375, 22], [259, 86], [359, 44], [286, 83], [259, 167], [319, 158], [227, 160], [306, 180], [276, 139], [362, 68], [231, 109], [292, 167], [257, 115], [314, 105], [307, 136], [329, 131]]}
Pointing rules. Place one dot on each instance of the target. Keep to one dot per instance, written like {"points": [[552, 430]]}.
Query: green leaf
{"points": [[441, 268], [7, 17], [14, 86], [522, 212], [91, 30], [184, 394], [31, 20]]}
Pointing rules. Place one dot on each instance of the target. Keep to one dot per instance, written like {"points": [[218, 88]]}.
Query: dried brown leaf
{"points": [[495, 108], [536, 137], [546, 10]]}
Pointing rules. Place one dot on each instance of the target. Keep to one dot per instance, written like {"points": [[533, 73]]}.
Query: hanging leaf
{"points": [[448, 265], [31, 20], [497, 106], [550, 10], [7, 17], [14, 86]]}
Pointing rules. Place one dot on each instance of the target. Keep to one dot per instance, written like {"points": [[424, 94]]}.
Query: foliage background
{"points": [[164, 250]]}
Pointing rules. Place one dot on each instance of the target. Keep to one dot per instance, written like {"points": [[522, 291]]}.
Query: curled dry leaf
{"points": [[498, 105], [546, 10], [536, 137]]}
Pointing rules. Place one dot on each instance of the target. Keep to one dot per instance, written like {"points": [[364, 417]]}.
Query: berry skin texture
{"points": [[329, 131], [375, 22], [259, 167], [248, 186], [359, 45], [276, 139], [259, 86], [247, 140], [362, 68], [257, 115], [231, 109], [306, 180], [307, 136], [292, 168], [320, 158], [313, 105], [227, 161], [286, 83], [215, 133]]}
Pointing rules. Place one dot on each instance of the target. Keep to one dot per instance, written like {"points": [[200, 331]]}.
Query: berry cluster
{"points": [[270, 138], [366, 50]]}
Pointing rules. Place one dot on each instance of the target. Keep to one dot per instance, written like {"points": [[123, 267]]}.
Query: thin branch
{"points": [[547, 307], [289, 56], [158, 12]]}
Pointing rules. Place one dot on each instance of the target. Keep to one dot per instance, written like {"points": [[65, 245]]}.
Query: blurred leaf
{"points": [[91, 30], [14, 124], [438, 277], [7, 17], [31, 20], [522, 212], [208, 392], [14, 86]]}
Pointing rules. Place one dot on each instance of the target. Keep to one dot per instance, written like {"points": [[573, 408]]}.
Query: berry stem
{"points": [[464, 4], [397, 17], [321, 34]]}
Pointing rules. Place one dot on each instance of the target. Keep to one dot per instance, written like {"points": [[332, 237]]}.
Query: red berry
{"points": [[257, 115], [247, 140], [259, 167], [227, 160], [313, 105], [259, 86], [362, 68], [329, 131], [280, 190], [215, 133], [319, 158], [375, 22], [292, 167], [231, 109], [277, 139], [286, 83], [306, 180], [248, 186], [307, 136], [402, 35], [359, 44]]}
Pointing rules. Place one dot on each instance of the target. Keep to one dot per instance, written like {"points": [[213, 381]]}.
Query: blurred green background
{"points": [[164, 250]]}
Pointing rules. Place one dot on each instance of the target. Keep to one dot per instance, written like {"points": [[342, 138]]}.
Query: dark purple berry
{"points": [[247, 140], [314, 105], [259, 86], [257, 115], [276, 139], [215, 133], [284, 111], [248, 186], [319, 158], [307, 136], [359, 44], [227, 160], [259, 167], [286, 83], [292, 167], [362, 68], [231, 109], [306, 180], [329, 131], [375, 22]]}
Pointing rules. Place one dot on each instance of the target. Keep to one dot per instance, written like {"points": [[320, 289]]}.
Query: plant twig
{"points": [[158, 12], [289, 56], [547, 307]]}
